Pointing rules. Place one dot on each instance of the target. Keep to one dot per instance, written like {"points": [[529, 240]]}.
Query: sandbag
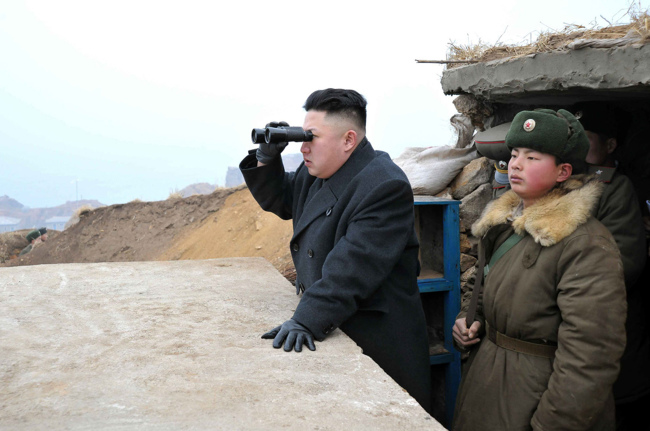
{"points": [[431, 169]]}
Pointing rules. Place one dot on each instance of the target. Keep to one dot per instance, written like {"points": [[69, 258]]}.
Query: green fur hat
{"points": [[33, 235], [547, 131]]}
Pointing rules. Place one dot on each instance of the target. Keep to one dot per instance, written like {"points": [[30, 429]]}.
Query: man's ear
{"points": [[611, 145], [350, 140], [565, 172]]}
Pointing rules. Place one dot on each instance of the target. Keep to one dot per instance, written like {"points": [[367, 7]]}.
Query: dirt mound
{"points": [[240, 229], [12, 243], [225, 223]]}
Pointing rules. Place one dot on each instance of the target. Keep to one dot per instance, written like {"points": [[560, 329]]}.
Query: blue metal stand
{"points": [[448, 286]]}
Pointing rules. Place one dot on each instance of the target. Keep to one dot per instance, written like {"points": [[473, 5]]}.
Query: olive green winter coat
{"points": [[561, 284], [619, 211]]}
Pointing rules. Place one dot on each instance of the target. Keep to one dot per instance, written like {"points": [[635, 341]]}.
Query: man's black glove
{"points": [[295, 334], [267, 152]]}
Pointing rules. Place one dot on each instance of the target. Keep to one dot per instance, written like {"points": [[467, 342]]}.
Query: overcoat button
{"points": [[296, 247], [328, 212], [310, 253]]}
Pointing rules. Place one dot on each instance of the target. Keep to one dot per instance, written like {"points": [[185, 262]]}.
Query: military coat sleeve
{"points": [[591, 335], [490, 242], [270, 185]]}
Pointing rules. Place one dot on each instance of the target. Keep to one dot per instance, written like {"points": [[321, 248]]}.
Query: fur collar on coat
{"points": [[552, 218]]}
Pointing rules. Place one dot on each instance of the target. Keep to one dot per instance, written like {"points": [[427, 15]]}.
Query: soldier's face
{"points": [[598, 151], [532, 174]]}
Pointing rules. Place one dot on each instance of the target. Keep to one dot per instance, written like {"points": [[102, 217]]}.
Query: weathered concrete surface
{"points": [[543, 77], [176, 345]]}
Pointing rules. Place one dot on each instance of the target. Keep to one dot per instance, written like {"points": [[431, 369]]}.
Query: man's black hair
{"points": [[346, 103]]}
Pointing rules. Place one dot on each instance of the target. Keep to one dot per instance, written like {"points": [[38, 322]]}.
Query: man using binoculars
{"points": [[354, 244]]}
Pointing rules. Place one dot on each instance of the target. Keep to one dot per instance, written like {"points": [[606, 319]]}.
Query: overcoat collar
{"points": [[323, 201], [549, 220]]}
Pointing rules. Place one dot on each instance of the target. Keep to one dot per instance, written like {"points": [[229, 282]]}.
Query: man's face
{"points": [[327, 152], [532, 174], [43, 237], [598, 153]]}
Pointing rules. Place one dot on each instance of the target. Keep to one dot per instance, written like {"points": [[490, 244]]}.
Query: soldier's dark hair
{"points": [[345, 103]]}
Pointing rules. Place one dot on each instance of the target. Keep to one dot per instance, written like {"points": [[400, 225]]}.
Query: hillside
{"points": [[225, 223], [239, 229], [198, 189], [9, 204], [35, 217]]}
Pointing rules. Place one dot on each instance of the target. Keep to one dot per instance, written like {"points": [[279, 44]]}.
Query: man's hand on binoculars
{"points": [[267, 152], [293, 335]]}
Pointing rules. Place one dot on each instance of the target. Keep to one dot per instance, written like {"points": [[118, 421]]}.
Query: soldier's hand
{"points": [[293, 335], [267, 152], [463, 336]]}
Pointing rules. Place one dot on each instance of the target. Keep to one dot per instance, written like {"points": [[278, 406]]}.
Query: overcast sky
{"points": [[118, 100]]}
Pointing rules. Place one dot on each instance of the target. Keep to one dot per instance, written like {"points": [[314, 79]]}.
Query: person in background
{"points": [[43, 232], [619, 211], [547, 331], [618, 207], [34, 238], [354, 244]]}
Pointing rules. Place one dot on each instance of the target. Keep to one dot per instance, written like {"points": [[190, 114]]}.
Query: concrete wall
{"points": [[176, 345], [545, 77]]}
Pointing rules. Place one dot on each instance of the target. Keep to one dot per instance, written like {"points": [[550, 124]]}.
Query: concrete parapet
{"points": [[176, 345]]}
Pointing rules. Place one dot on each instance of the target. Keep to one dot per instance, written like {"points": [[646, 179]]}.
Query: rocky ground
{"points": [[225, 223]]}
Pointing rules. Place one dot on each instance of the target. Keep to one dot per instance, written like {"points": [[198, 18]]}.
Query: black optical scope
{"points": [[273, 135]]}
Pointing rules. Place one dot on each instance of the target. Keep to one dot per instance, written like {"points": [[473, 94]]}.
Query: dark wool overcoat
{"points": [[356, 256]]}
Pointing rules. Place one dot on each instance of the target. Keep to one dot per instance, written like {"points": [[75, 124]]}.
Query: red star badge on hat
{"points": [[529, 125]]}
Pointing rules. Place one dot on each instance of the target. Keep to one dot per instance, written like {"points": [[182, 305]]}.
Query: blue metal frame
{"points": [[449, 285]]}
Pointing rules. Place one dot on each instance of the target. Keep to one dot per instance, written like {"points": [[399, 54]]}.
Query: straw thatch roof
{"points": [[637, 31]]}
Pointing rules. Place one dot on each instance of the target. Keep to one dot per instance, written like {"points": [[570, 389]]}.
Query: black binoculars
{"points": [[274, 135]]}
